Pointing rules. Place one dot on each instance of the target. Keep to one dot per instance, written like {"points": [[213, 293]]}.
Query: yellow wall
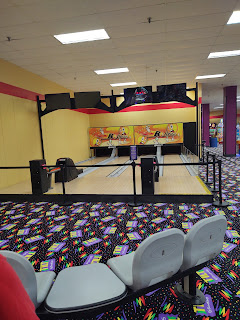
{"points": [[19, 137], [65, 131], [19, 77], [143, 117], [65, 134]]}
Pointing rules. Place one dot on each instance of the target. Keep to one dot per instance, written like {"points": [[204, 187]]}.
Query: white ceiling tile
{"points": [[176, 43], [194, 34], [59, 9], [197, 22]]}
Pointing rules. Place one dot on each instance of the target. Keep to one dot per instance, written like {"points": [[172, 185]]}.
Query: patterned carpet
{"points": [[54, 238]]}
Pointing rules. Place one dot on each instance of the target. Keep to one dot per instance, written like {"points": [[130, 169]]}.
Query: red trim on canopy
{"points": [[145, 107], [19, 92], [91, 111], [160, 106]]}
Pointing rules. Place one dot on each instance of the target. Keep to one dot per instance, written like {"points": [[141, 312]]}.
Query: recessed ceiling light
{"points": [[83, 36], [218, 108], [224, 54], [116, 70], [235, 18], [123, 84], [121, 93], [210, 76]]}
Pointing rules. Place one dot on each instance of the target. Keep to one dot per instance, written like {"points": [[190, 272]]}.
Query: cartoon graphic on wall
{"points": [[158, 134], [111, 136]]}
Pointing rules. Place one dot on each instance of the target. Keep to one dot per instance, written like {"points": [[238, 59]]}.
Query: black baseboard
{"points": [[68, 198], [229, 155]]}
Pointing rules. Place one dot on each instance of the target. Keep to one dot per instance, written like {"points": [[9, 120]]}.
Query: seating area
{"points": [[168, 255]]}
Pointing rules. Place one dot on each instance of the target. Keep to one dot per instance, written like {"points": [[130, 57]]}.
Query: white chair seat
{"points": [[122, 267], [44, 283], [84, 287]]}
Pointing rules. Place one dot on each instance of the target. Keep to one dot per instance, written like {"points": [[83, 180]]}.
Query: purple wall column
{"points": [[205, 123], [229, 120]]}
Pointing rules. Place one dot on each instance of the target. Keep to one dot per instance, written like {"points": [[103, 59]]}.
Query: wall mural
{"points": [[111, 136], [158, 134], [166, 133]]}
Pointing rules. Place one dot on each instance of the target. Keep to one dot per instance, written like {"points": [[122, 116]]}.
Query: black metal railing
{"points": [[133, 164]]}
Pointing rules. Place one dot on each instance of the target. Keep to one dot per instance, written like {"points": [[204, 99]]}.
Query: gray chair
{"points": [[156, 259], [202, 243], [37, 284], [84, 287]]}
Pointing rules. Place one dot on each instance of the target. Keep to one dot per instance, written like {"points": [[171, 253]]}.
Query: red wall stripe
{"points": [[216, 117], [19, 92], [221, 116]]}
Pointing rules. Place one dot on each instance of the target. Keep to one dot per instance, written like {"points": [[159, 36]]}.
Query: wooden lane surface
{"points": [[96, 182], [177, 179], [173, 171], [179, 185]]}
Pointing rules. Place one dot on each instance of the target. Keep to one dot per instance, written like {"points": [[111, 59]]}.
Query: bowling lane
{"points": [[177, 179], [93, 161], [95, 182], [174, 171]]}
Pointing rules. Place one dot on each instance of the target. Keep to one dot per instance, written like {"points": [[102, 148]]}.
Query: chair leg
{"points": [[188, 292]]}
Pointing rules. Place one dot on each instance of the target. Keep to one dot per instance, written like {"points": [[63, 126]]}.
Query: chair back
{"points": [[204, 241], [157, 258], [25, 272]]}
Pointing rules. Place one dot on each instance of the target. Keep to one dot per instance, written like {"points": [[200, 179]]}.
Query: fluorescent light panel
{"points": [[83, 36], [107, 71], [218, 108], [123, 84], [235, 18], [223, 54], [211, 76]]}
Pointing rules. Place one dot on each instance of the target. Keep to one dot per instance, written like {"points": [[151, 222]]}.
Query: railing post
{"points": [[220, 202], [134, 203], [203, 150], [214, 173], [62, 166], [207, 173], [134, 181]]}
